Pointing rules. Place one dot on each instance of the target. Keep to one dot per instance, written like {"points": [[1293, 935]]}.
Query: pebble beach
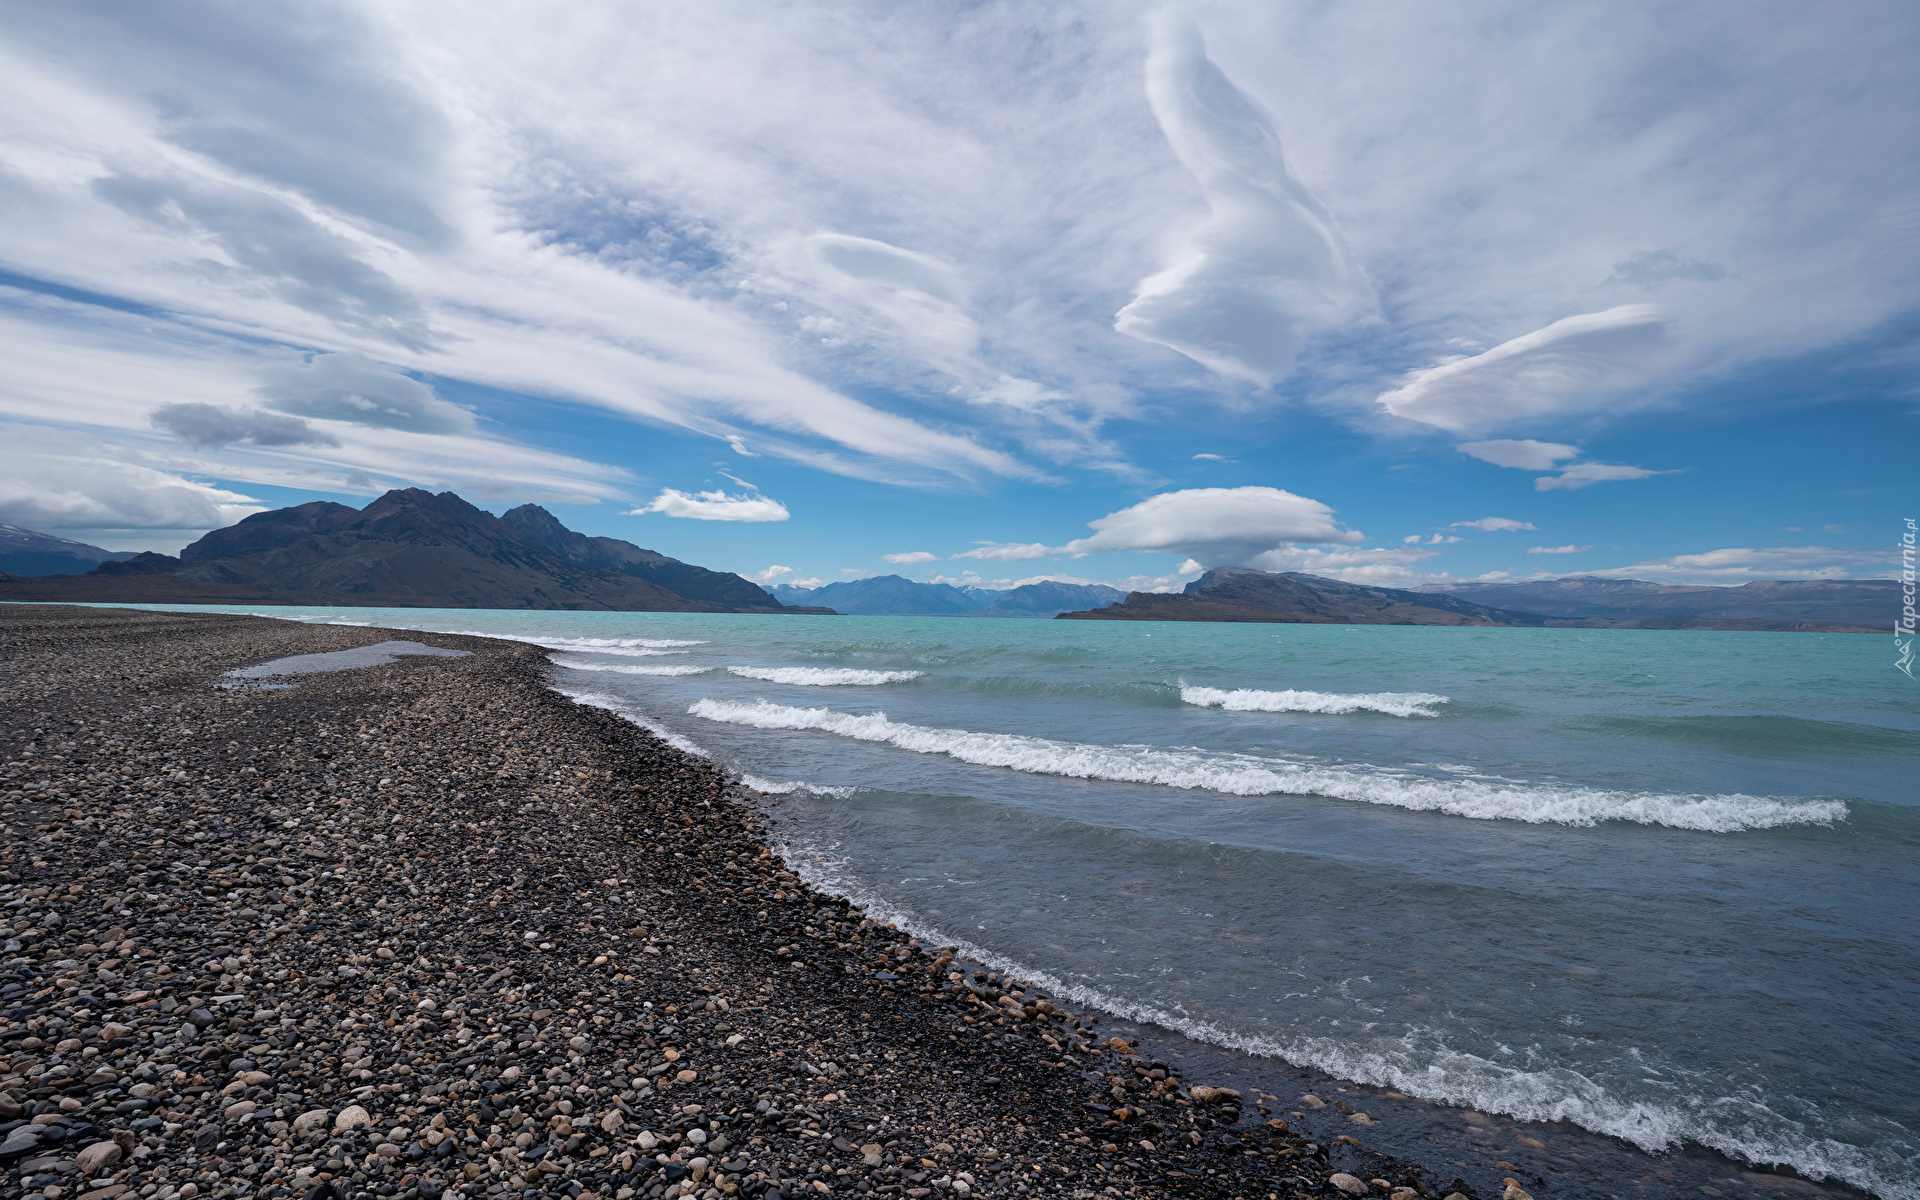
{"points": [[427, 927]]}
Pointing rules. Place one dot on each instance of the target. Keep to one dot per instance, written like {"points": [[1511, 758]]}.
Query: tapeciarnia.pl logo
{"points": [[1903, 627]]}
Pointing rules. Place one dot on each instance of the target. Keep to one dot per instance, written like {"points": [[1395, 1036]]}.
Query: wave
{"points": [[1398, 704], [614, 705], [1420, 1064], [825, 676], [774, 787], [619, 669], [1247, 775]]}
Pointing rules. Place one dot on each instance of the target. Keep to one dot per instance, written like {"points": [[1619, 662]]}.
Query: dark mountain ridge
{"points": [[409, 548], [1236, 594]]}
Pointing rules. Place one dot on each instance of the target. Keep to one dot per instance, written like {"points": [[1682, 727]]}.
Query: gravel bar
{"points": [[430, 928]]}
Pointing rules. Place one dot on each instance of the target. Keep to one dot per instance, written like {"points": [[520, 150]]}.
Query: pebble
{"points": [[432, 930]]}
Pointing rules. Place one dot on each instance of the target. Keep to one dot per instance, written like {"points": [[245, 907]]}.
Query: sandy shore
{"points": [[430, 927]]}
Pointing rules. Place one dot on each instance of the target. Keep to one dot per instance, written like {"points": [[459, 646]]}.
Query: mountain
{"points": [[409, 548], [1236, 594], [893, 595], [1233, 594], [1048, 599], [787, 593], [611, 554], [273, 530], [24, 552], [1841, 604]]}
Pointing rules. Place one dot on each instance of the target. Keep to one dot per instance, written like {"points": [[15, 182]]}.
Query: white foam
{"points": [[1248, 775], [1398, 704], [613, 705], [1420, 1064], [825, 676], [776, 787], [623, 669]]}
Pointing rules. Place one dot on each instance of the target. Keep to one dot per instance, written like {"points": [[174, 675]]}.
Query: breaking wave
{"points": [[776, 787], [622, 669], [824, 676], [1248, 775], [1398, 704]]}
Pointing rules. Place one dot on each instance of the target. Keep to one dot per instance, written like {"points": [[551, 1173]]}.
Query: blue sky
{"points": [[1406, 293]]}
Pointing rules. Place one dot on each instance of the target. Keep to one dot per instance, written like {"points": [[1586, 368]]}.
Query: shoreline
{"points": [[714, 917], [363, 935]]}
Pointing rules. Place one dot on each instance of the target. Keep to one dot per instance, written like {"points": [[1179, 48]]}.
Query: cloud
{"points": [[713, 506], [1217, 527], [1558, 549], [1210, 458], [50, 481], [771, 575], [1546, 456], [1493, 524], [1268, 269], [354, 388], [1009, 551], [1525, 455], [740, 447], [1414, 539], [1560, 368], [1581, 475], [210, 426], [912, 556], [1736, 565], [1651, 268], [1381, 567]]}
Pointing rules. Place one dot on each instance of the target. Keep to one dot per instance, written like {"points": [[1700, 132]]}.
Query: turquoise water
{"points": [[1659, 884]]}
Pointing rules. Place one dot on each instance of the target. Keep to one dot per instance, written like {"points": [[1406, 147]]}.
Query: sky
{"points": [[1408, 293]]}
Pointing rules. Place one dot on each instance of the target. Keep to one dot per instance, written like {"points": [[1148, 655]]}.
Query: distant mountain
{"points": [[894, 595], [1234, 594], [1048, 599], [1840, 604], [26, 553], [409, 548], [787, 593]]}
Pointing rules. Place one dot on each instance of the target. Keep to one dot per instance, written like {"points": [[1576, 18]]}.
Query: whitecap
{"points": [[1248, 775], [779, 787], [825, 676], [1398, 704], [623, 669]]}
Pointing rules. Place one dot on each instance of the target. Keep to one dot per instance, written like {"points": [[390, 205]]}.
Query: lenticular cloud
{"points": [[1268, 269]]}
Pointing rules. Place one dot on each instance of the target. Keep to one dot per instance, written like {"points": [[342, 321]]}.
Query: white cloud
{"points": [[1736, 565], [1524, 455], [1218, 527], [1563, 367], [1547, 456], [52, 481], [772, 574], [1210, 457], [807, 583], [1568, 549], [1581, 475], [911, 556], [1009, 551], [740, 447], [1269, 268], [1494, 524], [713, 506]]}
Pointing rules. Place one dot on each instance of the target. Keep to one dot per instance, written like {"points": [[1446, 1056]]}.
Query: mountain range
{"points": [[408, 549], [895, 595], [24, 552], [1237, 594]]}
